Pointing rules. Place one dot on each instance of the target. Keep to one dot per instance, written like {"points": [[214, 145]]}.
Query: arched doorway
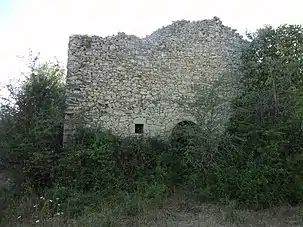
{"points": [[184, 134], [183, 143]]}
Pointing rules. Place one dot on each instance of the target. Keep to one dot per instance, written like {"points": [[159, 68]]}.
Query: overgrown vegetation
{"points": [[257, 163]]}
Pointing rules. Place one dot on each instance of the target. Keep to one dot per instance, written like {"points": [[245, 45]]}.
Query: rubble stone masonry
{"points": [[135, 86]]}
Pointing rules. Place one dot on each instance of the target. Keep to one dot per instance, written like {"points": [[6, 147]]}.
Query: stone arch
{"points": [[182, 135], [173, 123], [175, 127]]}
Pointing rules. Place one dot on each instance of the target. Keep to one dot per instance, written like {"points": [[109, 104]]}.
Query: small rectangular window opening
{"points": [[139, 128]]}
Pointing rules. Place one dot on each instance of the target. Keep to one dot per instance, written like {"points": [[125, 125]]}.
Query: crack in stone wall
{"points": [[117, 81]]}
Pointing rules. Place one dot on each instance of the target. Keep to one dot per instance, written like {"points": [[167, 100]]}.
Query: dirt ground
{"points": [[180, 212], [185, 214], [219, 217]]}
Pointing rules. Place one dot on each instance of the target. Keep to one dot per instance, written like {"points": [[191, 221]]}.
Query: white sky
{"points": [[44, 25]]}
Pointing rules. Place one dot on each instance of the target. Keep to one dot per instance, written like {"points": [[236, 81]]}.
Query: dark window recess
{"points": [[139, 128]]}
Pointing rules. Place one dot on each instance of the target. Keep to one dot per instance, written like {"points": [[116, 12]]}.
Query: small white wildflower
{"points": [[61, 213], [58, 213], [18, 217], [42, 198], [57, 198], [35, 205], [51, 200], [37, 221], [59, 204]]}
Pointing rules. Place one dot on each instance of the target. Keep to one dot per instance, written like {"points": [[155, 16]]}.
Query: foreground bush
{"points": [[32, 123], [261, 164], [101, 161]]}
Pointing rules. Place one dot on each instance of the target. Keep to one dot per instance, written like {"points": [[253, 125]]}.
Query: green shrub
{"points": [[32, 123], [260, 165], [101, 161]]}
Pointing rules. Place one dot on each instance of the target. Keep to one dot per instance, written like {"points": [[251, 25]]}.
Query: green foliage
{"points": [[258, 162], [101, 161], [31, 122], [266, 127]]}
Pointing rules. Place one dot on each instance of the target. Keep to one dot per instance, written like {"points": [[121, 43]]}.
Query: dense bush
{"points": [[101, 161], [32, 123], [261, 164], [269, 115]]}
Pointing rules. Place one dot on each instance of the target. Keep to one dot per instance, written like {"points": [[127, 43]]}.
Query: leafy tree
{"points": [[273, 66], [267, 120], [32, 121]]}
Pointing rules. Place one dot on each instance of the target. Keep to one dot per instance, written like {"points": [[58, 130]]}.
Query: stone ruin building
{"points": [[132, 85]]}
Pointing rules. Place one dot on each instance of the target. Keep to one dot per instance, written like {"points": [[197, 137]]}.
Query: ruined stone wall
{"points": [[119, 81]]}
